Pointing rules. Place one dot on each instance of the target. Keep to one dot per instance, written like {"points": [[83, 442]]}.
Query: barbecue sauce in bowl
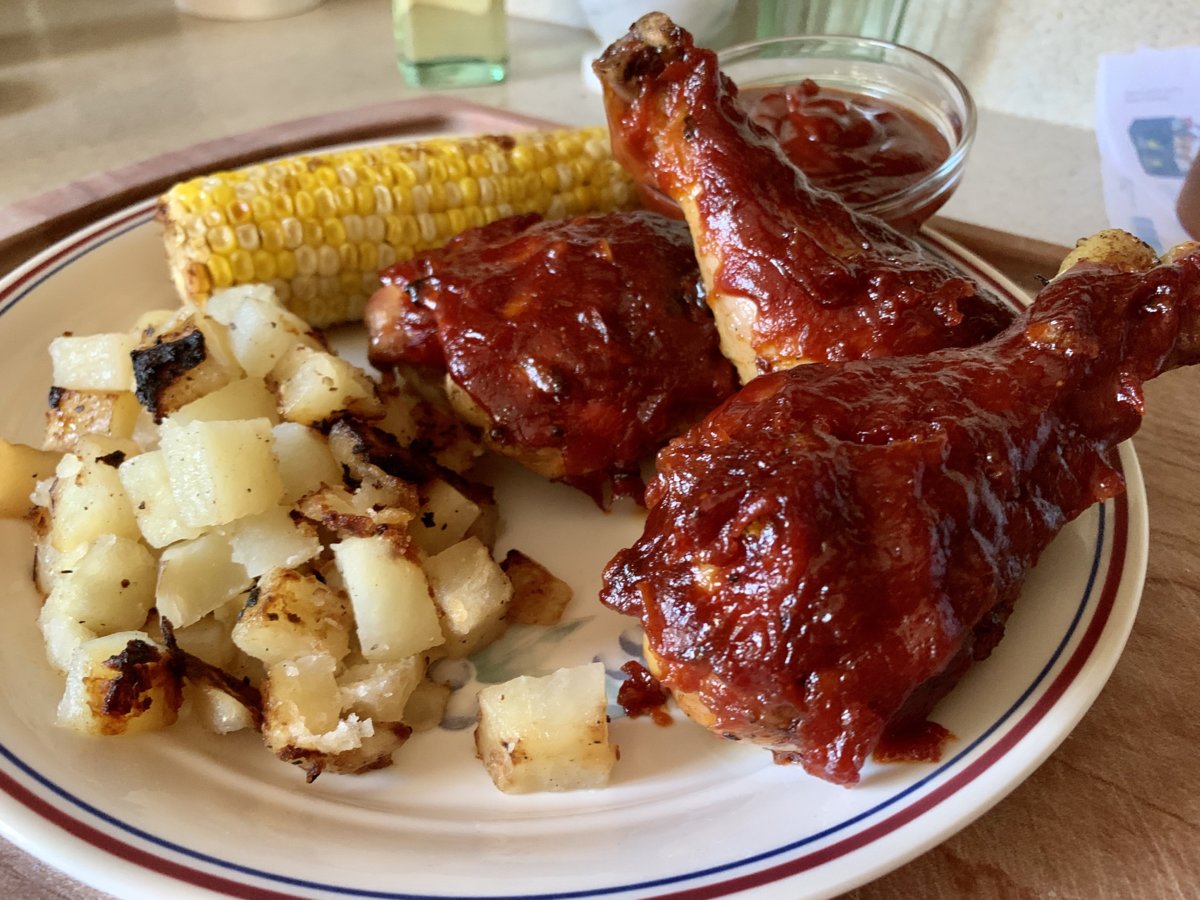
{"points": [[860, 147]]}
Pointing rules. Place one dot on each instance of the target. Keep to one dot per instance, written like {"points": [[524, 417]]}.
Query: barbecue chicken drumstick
{"points": [[791, 274], [578, 346], [832, 547]]}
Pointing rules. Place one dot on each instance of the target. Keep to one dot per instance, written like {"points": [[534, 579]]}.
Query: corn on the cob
{"points": [[318, 228]]}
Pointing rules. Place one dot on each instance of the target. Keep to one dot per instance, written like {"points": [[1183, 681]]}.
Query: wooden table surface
{"points": [[1115, 811]]}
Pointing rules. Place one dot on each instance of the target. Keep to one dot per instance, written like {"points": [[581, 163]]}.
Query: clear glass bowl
{"points": [[895, 75]]}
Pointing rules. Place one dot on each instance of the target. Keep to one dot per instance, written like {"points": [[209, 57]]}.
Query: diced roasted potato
{"points": [[245, 398], [106, 448], [289, 615], [87, 500], [151, 322], [313, 386], [375, 752], [302, 721], [62, 637], [184, 360], [393, 610], [271, 540], [445, 517], [471, 593], [110, 588], [121, 683], [362, 451], [94, 362], [381, 690], [73, 413], [221, 471], [208, 639], [546, 734], [539, 597], [148, 487], [217, 710], [197, 576], [21, 468], [261, 330], [305, 462]]}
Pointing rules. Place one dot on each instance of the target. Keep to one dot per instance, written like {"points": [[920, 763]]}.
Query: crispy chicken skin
{"points": [[791, 274], [579, 346], [832, 547]]}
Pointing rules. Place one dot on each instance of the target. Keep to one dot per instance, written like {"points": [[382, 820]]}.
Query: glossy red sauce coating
{"points": [[832, 547], [584, 341], [859, 147], [640, 694], [919, 741], [825, 282]]}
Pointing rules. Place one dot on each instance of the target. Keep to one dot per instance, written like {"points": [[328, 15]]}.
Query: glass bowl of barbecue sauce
{"points": [[885, 127]]}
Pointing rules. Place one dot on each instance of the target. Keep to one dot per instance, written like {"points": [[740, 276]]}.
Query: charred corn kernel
{"points": [[322, 225]]}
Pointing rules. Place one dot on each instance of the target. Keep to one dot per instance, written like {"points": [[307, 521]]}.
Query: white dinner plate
{"points": [[181, 813]]}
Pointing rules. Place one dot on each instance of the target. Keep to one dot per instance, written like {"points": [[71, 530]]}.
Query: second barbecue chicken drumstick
{"points": [[830, 549], [792, 275]]}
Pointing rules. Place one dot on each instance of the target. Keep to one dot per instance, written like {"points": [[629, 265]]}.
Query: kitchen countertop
{"points": [[1115, 812]]}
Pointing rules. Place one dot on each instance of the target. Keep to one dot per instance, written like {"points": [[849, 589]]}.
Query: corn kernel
{"points": [[354, 227], [264, 265], [368, 256], [242, 264], [293, 232], [285, 262], [220, 272], [306, 206], [428, 228], [271, 234], [374, 228], [335, 232], [221, 239], [314, 234], [306, 260], [328, 260]]}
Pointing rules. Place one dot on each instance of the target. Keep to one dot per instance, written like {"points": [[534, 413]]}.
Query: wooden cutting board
{"points": [[1115, 812]]}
